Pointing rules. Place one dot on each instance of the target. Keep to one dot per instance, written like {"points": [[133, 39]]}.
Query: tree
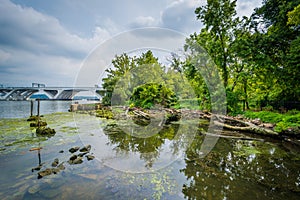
{"points": [[151, 94], [122, 65], [216, 37], [277, 42]]}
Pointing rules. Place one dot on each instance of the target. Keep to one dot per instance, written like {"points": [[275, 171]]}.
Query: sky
{"points": [[71, 42]]}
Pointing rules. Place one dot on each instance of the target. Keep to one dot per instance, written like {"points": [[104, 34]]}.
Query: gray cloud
{"points": [[47, 41], [180, 16]]}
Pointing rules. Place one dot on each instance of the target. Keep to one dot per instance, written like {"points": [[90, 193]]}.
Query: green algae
{"points": [[17, 133]]}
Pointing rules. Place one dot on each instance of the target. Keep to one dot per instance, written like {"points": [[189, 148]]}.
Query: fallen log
{"points": [[239, 125]]}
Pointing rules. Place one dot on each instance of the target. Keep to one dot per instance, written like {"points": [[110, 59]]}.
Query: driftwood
{"points": [[227, 122], [231, 123]]}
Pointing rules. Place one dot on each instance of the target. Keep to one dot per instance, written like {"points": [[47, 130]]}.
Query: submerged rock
{"points": [[86, 148], [74, 149], [90, 157], [46, 172], [55, 162], [74, 159], [61, 166]]}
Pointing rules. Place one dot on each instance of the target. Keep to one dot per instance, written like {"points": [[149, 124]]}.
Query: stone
{"points": [[78, 161], [74, 149], [61, 166], [61, 151], [86, 148], [45, 131], [90, 157], [55, 162], [82, 154], [46, 172], [55, 170], [73, 157]]}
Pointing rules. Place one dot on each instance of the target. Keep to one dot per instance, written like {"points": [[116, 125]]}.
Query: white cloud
{"points": [[143, 21], [246, 7], [37, 45]]}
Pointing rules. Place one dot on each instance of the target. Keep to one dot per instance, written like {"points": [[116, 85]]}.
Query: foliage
{"points": [[283, 121], [151, 94], [258, 57]]}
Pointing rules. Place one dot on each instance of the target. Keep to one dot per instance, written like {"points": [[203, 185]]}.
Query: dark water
{"points": [[145, 162], [21, 109]]}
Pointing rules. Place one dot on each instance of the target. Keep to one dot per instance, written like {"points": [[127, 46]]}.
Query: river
{"points": [[133, 161], [21, 109]]}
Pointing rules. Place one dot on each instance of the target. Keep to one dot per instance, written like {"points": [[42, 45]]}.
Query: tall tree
{"points": [[277, 38], [218, 17]]}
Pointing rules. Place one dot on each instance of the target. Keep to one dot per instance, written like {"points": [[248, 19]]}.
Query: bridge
{"points": [[54, 93]]}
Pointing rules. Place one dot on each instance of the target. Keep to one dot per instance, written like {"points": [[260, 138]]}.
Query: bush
{"points": [[151, 94]]}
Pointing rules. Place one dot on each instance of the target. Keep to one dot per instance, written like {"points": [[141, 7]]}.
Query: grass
{"points": [[289, 120]]}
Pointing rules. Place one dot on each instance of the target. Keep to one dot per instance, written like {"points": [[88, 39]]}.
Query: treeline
{"points": [[257, 58]]}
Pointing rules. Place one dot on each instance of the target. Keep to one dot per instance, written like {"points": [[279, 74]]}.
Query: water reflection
{"points": [[238, 169], [148, 153]]}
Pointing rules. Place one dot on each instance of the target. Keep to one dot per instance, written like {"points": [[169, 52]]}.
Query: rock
{"points": [[61, 166], [74, 159], [78, 160], [82, 154], [46, 172], [86, 148], [74, 149], [90, 157], [55, 170], [61, 151], [45, 131], [55, 162]]}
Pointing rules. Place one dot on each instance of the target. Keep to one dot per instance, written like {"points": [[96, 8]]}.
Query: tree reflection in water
{"points": [[238, 169], [149, 148], [234, 169]]}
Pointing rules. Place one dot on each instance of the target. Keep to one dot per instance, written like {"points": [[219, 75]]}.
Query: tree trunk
{"points": [[239, 125]]}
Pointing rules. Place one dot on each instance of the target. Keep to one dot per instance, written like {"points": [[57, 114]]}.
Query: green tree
{"points": [[151, 94], [216, 37], [121, 65], [277, 42]]}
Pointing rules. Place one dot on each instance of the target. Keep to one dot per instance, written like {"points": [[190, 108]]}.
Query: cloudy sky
{"points": [[52, 41]]}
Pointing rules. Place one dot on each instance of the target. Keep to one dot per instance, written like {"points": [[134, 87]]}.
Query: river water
{"points": [[171, 161], [21, 109]]}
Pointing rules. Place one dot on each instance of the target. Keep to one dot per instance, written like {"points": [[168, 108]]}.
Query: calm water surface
{"points": [[143, 162], [21, 109]]}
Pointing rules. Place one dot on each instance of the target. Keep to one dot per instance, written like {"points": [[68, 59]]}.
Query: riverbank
{"points": [[268, 124]]}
